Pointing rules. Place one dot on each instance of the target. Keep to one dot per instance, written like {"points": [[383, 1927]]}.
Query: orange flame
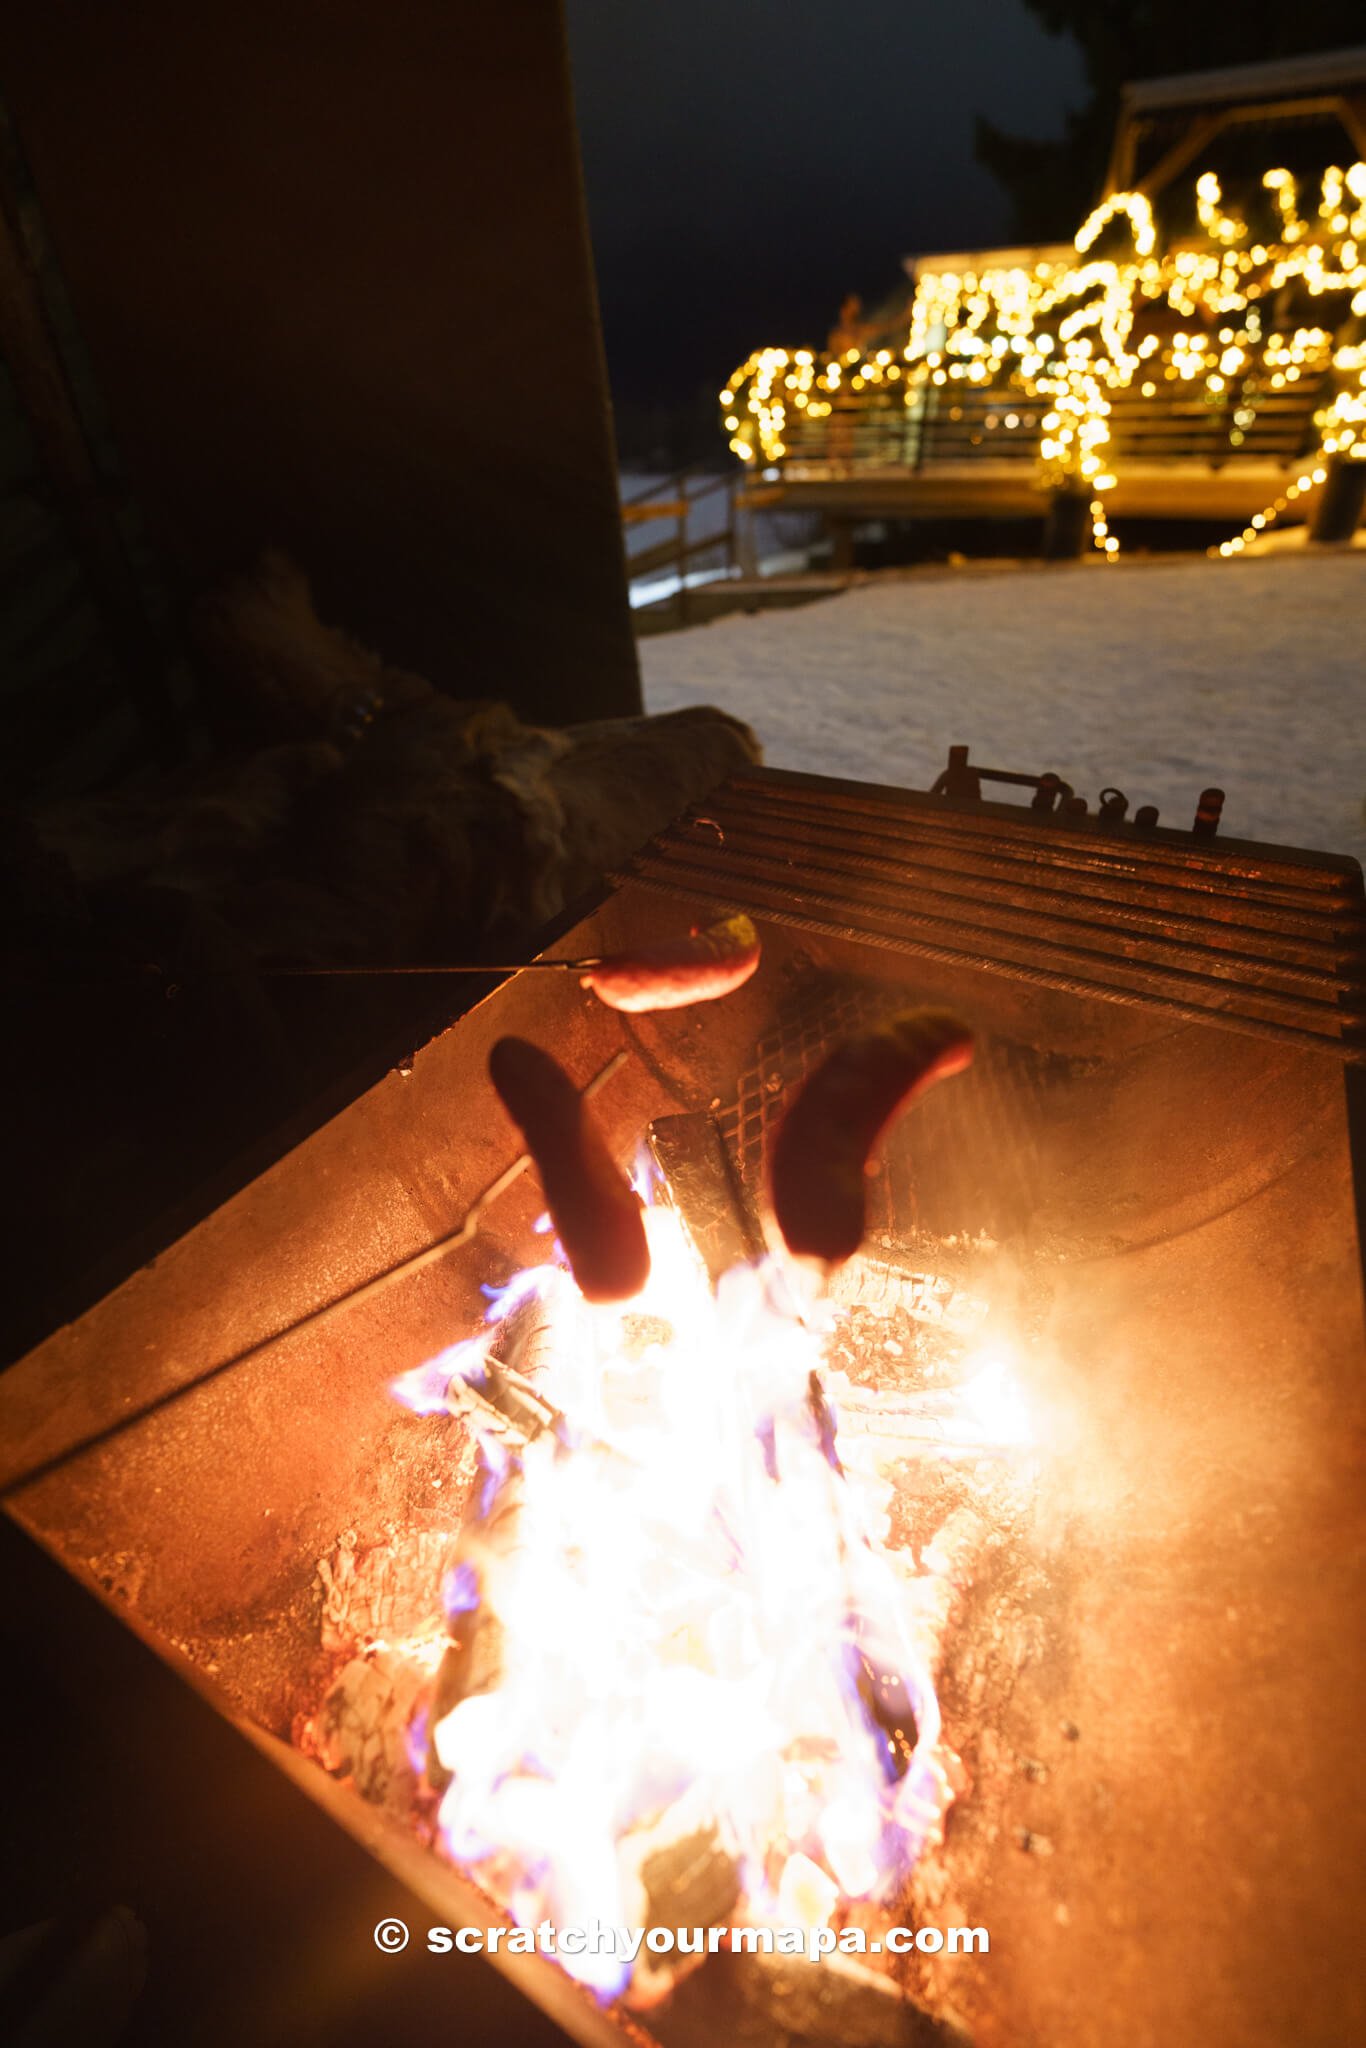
{"points": [[702, 1625]]}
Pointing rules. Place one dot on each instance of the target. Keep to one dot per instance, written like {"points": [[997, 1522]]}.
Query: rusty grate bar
{"points": [[1125, 897], [1225, 861], [1215, 950], [1266, 941]]}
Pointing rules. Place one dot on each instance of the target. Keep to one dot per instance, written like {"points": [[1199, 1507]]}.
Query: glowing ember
{"points": [[676, 1616]]}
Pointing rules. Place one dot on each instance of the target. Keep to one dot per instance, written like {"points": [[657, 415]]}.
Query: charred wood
{"points": [[701, 1183]]}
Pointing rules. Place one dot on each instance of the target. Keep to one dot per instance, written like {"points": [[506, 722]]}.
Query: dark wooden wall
{"points": [[330, 263]]}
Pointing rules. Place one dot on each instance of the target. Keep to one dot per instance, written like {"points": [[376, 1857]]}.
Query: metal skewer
{"points": [[472, 967], [61, 990]]}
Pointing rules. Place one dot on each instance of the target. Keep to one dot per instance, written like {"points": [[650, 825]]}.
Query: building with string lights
{"points": [[1198, 352]]}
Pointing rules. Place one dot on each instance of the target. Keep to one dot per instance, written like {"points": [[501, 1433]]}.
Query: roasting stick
{"points": [[470, 967], [669, 975], [363, 1291]]}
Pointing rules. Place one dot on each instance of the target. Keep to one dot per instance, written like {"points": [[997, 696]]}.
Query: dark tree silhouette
{"points": [[1053, 183]]}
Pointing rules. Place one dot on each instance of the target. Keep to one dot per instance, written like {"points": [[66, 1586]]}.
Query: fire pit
{"points": [[1019, 1595]]}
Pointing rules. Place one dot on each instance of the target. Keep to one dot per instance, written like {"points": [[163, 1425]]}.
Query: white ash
{"points": [[382, 1612], [382, 1592], [877, 1285], [362, 1729]]}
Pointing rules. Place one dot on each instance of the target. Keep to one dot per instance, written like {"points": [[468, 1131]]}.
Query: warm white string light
{"points": [[1062, 334]]}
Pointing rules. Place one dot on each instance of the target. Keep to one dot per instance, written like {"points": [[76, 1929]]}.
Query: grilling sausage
{"points": [[668, 976], [595, 1210], [820, 1156]]}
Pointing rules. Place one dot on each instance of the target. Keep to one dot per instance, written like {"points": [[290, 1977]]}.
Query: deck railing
{"points": [[679, 553], [880, 430]]}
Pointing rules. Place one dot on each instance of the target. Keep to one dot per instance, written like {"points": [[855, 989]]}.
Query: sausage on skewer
{"points": [[595, 1210], [821, 1153], [676, 972]]}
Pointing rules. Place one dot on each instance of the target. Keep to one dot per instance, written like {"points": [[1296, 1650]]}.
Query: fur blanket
{"points": [[379, 820]]}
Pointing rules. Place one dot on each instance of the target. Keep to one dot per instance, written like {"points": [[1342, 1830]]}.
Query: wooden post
{"points": [[1064, 532], [1340, 502], [681, 486], [747, 537]]}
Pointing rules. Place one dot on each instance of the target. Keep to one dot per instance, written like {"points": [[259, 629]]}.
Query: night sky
{"points": [[750, 161]]}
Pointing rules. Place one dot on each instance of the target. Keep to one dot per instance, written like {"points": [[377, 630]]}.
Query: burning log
{"points": [[504, 1409], [871, 1286], [360, 1731], [701, 1183], [820, 1158], [690, 1881], [380, 1613], [592, 1205], [888, 1707], [475, 1658], [777, 2001], [379, 1592], [974, 1419]]}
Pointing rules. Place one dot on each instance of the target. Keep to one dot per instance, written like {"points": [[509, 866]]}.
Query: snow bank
{"points": [[1157, 677]]}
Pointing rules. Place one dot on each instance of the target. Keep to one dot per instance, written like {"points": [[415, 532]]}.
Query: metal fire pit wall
{"points": [[1150, 1167]]}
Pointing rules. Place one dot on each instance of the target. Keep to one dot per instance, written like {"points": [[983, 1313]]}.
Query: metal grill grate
{"points": [[1262, 940], [1008, 1083], [814, 1011]]}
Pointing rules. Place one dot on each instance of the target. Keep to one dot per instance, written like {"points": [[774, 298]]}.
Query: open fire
{"points": [[689, 1669], [657, 1663]]}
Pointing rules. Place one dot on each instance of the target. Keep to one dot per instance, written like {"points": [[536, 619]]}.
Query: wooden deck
{"points": [[971, 453], [989, 489]]}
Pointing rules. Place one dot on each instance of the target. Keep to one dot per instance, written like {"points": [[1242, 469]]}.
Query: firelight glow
{"points": [[702, 1627]]}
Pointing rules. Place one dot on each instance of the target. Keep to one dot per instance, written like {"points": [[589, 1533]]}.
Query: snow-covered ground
{"points": [[1158, 677]]}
